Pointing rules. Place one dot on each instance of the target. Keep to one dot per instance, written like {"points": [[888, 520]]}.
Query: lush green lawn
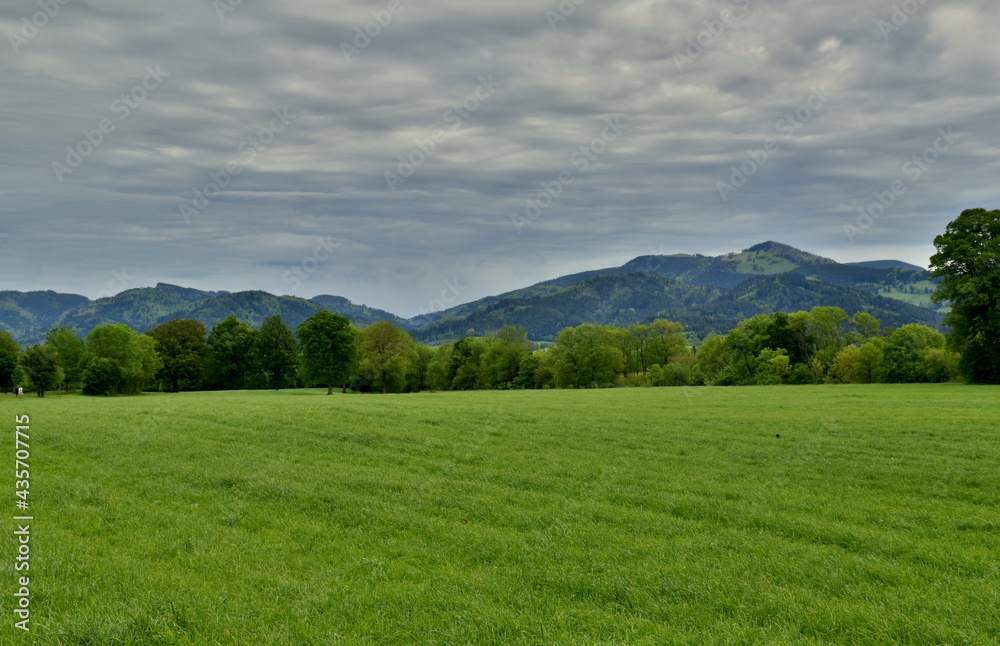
{"points": [[646, 516]]}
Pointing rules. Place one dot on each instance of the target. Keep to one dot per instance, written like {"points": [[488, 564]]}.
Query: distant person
{"points": [[20, 391]]}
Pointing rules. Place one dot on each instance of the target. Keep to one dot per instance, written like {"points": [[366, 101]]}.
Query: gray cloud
{"points": [[652, 189]]}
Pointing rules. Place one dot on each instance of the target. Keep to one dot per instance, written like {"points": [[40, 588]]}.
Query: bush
{"points": [[676, 374], [802, 375]]}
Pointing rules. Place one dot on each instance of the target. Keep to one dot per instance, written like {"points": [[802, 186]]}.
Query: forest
{"points": [[820, 346]]}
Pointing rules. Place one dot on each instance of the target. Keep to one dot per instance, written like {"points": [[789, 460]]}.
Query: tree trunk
{"points": [[344, 391], [329, 389]]}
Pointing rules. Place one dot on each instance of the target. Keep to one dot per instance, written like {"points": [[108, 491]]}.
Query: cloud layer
{"points": [[376, 150]]}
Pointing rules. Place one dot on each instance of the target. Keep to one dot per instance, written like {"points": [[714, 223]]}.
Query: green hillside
{"points": [[29, 315], [141, 309]]}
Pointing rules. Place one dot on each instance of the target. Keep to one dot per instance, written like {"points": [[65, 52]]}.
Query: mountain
{"points": [[254, 306], [640, 297], [705, 293], [141, 308], [144, 308], [359, 315], [29, 315], [899, 283], [887, 264]]}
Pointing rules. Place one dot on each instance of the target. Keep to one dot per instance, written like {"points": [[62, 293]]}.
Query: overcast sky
{"points": [[257, 145]]}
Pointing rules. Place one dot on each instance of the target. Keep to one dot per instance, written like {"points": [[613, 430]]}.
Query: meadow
{"points": [[626, 516]]}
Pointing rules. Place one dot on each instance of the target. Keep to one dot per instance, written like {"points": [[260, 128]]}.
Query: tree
{"points": [[10, 356], [464, 368], [868, 369], [866, 324], [526, 372], [420, 359], [825, 326], [587, 356], [102, 376], [134, 356], [232, 355], [665, 341], [844, 368], [278, 352], [329, 349], [905, 351], [501, 360], [968, 263], [712, 358], [71, 350], [437, 368], [385, 355], [773, 367], [181, 346], [41, 367]]}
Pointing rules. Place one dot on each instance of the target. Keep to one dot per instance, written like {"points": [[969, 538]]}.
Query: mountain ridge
{"points": [[706, 293]]}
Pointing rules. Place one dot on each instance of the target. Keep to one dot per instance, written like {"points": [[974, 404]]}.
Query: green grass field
{"points": [[631, 516]]}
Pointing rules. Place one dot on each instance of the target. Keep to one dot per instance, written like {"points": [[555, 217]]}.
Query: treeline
{"points": [[822, 345]]}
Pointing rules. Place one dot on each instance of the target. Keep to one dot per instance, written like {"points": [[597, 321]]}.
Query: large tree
{"points": [[278, 352], [132, 356], [501, 361], [968, 263], [232, 358], [329, 349], [181, 345], [41, 367], [386, 353], [10, 354], [71, 351]]}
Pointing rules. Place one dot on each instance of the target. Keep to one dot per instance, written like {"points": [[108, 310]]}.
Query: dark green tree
{"points": [[501, 360], [464, 370], [102, 377], [968, 263], [134, 354], [10, 355], [41, 367], [278, 352], [181, 346], [329, 349], [231, 357], [71, 354]]}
